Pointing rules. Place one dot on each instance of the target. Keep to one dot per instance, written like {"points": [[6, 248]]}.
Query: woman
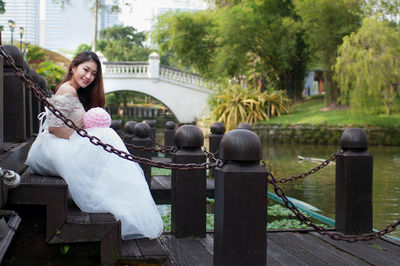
{"points": [[98, 181]]}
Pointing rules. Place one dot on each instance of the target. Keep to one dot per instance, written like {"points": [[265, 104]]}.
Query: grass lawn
{"points": [[310, 111]]}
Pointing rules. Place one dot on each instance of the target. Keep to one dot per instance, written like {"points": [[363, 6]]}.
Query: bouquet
{"points": [[96, 117]]}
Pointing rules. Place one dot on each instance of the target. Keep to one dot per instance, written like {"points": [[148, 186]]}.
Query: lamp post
{"points": [[21, 33], [11, 24]]}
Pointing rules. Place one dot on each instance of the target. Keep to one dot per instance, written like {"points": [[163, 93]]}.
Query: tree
{"points": [[35, 55], [81, 48], [120, 43], [249, 41], [368, 65], [389, 8], [96, 7], [2, 7], [187, 40], [326, 23], [51, 72]]}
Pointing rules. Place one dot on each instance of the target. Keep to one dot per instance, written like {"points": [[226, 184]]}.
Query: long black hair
{"points": [[92, 95]]}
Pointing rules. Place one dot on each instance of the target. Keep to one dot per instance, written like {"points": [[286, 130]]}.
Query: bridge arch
{"points": [[146, 94], [185, 94]]}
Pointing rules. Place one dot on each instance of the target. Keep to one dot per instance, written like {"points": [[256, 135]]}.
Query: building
{"points": [[107, 19], [25, 13], [65, 28]]}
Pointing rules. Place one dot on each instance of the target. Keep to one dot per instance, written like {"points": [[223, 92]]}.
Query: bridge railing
{"points": [[153, 69], [135, 69], [183, 77]]}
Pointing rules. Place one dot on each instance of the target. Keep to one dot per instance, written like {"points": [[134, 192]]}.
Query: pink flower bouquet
{"points": [[96, 117]]}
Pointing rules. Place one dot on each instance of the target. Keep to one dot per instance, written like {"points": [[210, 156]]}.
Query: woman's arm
{"points": [[61, 132]]}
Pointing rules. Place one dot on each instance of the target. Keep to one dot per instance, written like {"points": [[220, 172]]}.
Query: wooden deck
{"points": [[50, 225], [283, 248]]}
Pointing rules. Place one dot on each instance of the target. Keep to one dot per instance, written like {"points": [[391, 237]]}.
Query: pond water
{"points": [[319, 188]]}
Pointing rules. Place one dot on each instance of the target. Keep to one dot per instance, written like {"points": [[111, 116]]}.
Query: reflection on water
{"points": [[319, 188]]}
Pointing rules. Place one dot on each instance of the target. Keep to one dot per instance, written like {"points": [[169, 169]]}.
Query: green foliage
{"points": [[389, 8], [64, 249], [326, 23], [187, 39], [120, 43], [51, 72], [81, 48], [160, 171], [2, 7], [35, 54], [257, 41], [368, 67], [233, 105]]}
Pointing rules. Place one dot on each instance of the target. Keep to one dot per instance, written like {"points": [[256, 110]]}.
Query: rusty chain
{"points": [[163, 148], [321, 230], [93, 139], [312, 171]]}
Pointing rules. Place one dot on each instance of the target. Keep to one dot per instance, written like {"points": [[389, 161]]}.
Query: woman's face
{"points": [[83, 74]]}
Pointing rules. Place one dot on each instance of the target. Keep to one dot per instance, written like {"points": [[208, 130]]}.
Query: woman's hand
{"points": [[61, 132]]}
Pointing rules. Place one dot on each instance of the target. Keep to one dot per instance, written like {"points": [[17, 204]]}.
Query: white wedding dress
{"points": [[98, 181]]}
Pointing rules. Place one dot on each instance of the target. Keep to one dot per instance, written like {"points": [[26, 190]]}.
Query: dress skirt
{"points": [[99, 181]]}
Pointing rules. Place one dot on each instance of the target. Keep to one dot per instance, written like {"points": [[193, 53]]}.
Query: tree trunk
{"points": [[330, 88], [95, 14]]}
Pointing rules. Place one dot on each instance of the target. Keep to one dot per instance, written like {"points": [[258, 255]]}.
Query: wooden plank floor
{"points": [[283, 248]]}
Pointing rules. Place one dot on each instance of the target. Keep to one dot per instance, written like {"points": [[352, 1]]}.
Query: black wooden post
{"points": [[116, 125], [37, 105], [1, 105], [142, 138], [245, 126], [169, 133], [14, 109], [152, 124], [354, 184], [188, 188], [28, 104], [129, 131], [217, 133], [240, 201]]}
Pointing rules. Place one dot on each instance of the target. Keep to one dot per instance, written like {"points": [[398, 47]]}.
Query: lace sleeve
{"points": [[65, 104]]}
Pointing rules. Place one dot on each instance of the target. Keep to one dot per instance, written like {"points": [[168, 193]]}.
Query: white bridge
{"points": [[185, 94]]}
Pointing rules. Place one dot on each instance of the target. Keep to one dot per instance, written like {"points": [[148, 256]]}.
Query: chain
{"points": [[322, 230], [93, 139], [312, 171], [163, 149]]}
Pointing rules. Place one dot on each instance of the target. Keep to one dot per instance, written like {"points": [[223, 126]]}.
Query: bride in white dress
{"points": [[98, 181]]}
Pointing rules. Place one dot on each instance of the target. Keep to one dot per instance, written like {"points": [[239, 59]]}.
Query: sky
{"points": [[140, 13]]}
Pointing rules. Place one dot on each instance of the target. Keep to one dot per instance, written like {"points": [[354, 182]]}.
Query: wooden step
{"points": [[145, 251], [92, 227], [50, 191], [65, 225]]}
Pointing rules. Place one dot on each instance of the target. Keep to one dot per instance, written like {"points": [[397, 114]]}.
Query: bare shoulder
{"points": [[65, 88]]}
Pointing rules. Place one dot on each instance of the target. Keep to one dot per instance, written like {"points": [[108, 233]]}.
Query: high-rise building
{"points": [[107, 19], [64, 29], [143, 15], [25, 13]]}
